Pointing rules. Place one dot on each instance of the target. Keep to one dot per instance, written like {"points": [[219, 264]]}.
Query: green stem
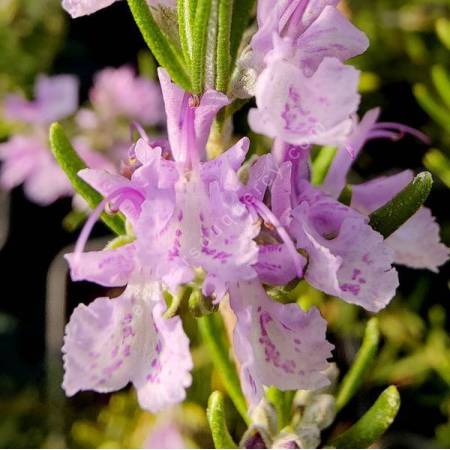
{"points": [[217, 422], [200, 33], [184, 29], [321, 164], [213, 334], [354, 377], [404, 205], [282, 402], [71, 164], [158, 43], [224, 45], [373, 424]]}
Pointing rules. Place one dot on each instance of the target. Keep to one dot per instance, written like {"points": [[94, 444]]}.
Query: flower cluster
{"points": [[232, 227], [101, 129]]}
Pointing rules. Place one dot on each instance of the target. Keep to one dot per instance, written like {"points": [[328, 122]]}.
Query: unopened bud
{"points": [[320, 412]]}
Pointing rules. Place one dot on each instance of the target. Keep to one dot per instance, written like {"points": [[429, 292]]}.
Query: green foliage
{"points": [[164, 50], [213, 334], [373, 424], [199, 45], [217, 422], [363, 361], [224, 66], [404, 205], [30, 36], [71, 164]]}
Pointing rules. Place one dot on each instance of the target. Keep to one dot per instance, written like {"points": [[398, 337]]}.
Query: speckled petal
{"points": [[330, 35], [166, 379], [306, 110], [277, 344], [107, 267], [417, 243], [108, 343], [347, 258], [275, 265]]}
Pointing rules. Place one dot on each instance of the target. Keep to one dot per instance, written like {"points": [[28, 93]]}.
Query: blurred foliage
{"points": [[30, 35]]}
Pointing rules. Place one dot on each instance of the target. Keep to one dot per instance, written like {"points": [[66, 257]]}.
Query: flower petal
{"points": [[107, 183], [78, 8], [260, 177], [277, 344], [175, 103], [108, 344], [368, 197], [107, 267], [275, 265], [336, 177], [347, 258], [302, 110], [417, 243], [55, 98], [168, 376], [281, 193], [121, 93], [330, 35], [219, 168]]}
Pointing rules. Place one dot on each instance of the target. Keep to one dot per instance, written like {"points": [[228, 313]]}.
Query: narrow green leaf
{"points": [[211, 46], [373, 424], [217, 422], [437, 112], [321, 165], [282, 402], [435, 161], [71, 164], [443, 30], [242, 11], [223, 45], [213, 334], [441, 81], [159, 44], [74, 220], [200, 33], [354, 377], [404, 205], [184, 29]]}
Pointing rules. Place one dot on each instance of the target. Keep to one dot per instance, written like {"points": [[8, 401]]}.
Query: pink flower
{"points": [[315, 29], [55, 98], [305, 110], [120, 93], [416, 243], [78, 8]]}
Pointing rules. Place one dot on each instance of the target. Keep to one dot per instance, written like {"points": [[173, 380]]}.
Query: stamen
{"points": [[384, 134], [123, 194], [136, 126], [403, 129], [269, 218]]}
